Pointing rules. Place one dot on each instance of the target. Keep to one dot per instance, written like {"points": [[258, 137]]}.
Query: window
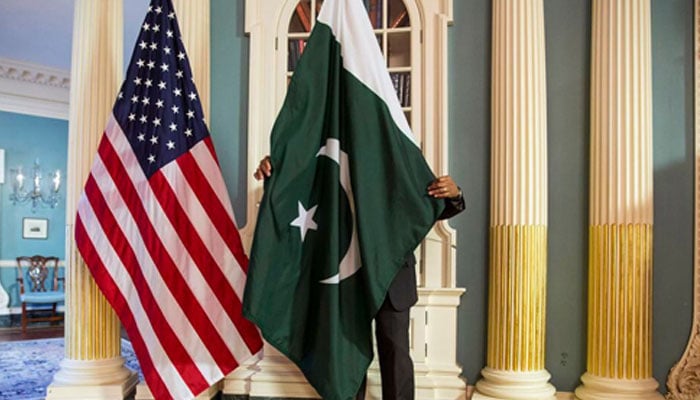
{"points": [[392, 26]]}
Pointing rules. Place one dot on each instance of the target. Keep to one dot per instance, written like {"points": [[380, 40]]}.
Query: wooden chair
{"points": [[33, 273]]}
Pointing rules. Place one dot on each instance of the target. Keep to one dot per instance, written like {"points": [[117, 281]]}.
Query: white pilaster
{"points": [[194, 19], [93, 367]]}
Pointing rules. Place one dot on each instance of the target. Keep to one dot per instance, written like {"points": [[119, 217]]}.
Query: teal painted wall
{"points": [[567, 41], [24, 139], [672, 63], [229, 98], [470, 144]]}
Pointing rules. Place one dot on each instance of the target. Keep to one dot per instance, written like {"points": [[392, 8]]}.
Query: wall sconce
{"points": [[21, 195]]}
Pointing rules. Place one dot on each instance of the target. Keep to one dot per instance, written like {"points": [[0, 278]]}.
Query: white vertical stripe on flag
{"points": [[362, 56], [117, 270]]}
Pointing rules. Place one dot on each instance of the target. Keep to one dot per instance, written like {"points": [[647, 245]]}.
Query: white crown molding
{"points": [[34, 89]]}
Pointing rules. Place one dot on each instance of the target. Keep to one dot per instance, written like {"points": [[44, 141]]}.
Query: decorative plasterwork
{"points": [[33, 89], [684, 378]]}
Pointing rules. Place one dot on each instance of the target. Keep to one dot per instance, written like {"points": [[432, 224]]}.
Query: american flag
{"points": [[156, 228]]}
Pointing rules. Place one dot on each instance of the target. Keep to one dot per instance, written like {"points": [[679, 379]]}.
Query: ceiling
{"points": [[40, 31]]}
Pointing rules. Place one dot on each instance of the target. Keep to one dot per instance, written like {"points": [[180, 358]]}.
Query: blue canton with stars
{"points": [[158, 107]]}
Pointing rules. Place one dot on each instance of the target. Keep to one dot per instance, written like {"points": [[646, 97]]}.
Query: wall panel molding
{"points": [[34, 89]]}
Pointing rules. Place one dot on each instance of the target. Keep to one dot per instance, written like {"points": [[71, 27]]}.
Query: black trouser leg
{"points": [[393, 348]]}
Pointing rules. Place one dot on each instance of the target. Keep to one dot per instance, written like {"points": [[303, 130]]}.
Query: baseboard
{"points": [[13, 320], [470, 390]]}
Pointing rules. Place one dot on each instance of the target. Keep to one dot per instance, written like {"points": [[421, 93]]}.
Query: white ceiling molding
{"points": [[34, 89]]}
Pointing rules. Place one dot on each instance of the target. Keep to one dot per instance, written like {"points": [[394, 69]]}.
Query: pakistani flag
{"points": [[344, 207]]}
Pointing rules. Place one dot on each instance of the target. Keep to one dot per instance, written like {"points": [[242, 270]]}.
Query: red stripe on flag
{"points": [[171, 344], [210, 146], [121, 307], [164, 262], [216, 211], [203, 259]]}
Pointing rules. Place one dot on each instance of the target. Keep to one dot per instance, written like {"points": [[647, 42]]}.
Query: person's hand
{"points": [[444, 188], [264, 169]]}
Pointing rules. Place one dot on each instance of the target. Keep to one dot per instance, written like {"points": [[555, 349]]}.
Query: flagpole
{"points": [[93, 367]]}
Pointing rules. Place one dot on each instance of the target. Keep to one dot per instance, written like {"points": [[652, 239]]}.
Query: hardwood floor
{"points": [[33, 332]]}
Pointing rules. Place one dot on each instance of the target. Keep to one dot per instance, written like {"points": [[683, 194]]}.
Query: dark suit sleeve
{"points": [[452, 207]]}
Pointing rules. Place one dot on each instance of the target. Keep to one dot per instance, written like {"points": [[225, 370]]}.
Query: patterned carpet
{"points": [[27, 367]]}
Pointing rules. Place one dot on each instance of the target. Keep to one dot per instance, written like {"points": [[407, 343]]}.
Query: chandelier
{"points": [[35, 194]]}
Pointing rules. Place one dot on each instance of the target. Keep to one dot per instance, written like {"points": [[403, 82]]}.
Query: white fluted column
{"points": [[518, 234], [93, 367], [621, 212], [194, 19]]}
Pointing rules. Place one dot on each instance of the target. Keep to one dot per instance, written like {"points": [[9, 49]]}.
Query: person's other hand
{"points": [[264, 169], [444, 187]]}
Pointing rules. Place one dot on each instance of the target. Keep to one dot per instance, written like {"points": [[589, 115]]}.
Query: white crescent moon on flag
{"points": [[351, 260]]}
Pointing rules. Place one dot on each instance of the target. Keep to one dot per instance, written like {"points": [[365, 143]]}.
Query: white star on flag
{"points": [[305, 220]]}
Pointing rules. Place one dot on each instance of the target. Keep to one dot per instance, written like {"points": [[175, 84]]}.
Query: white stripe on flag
{"points": [[172, 312], [198, 284], [206, 162], [205, 226], [117, 270]]}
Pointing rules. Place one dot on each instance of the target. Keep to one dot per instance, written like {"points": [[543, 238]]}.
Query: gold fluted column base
{"points": [[619, 314], [516, 328]]}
